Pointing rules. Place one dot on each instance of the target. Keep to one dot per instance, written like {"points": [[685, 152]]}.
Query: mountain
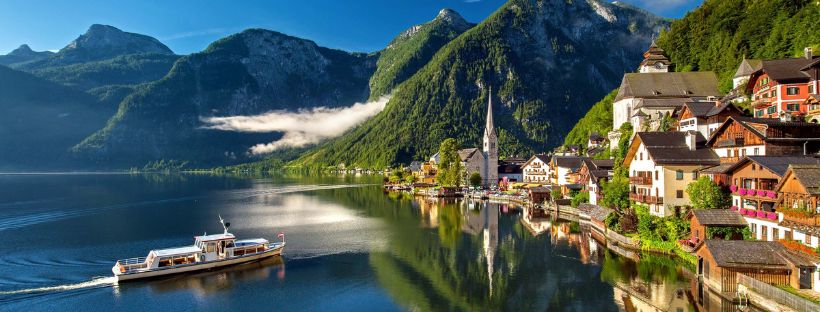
{"points": [[42, 120], [249, 73], [101, 42], [413, 48], [545, 61], [23, 54], [719, 34]]}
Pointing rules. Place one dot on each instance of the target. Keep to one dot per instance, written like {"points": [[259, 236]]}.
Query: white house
{"points": [[536, 169], [661, 165], [565, 168]]}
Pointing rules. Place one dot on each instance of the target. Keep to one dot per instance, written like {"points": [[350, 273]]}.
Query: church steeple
{"points": [[489, 128]]}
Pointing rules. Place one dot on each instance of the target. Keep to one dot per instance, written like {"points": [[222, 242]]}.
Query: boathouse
{"points": [[703, 221]]}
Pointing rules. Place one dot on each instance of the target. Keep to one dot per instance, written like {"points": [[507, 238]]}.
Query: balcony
{"points": [[805, 219], [731, 142], [646, 199], [640, 180]]}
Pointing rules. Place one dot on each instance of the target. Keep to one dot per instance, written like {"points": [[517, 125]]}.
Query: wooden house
{"points": [[701, 220], [738, 137], [781, 86], [706, 116], [720, 261]]}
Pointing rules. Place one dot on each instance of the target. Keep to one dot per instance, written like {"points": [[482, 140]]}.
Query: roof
{"points": [[706, 109], [670, 148], [747, 68], [595, 136], [539, 189], [544, 158], [753, 254], [789, 130], [666, 85], [776, 164], [176, 251], [574, 162], [789, 69], [215, 237], [809, 177], [252, 241], [604, 163], [717, 169], [598, 174], [718, 217], [595, 212], [467, 153]]}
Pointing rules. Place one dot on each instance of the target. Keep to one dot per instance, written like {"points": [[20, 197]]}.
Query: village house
{"points": [[565, 169], [661, 165], [781, 86], [746, 136], [593, 173], [813, 105], [720, 261], [426, 173], [705, 117], [536, 169], [511, 171], [648, 97], [753, 187], [799, 192], [701, 221]]}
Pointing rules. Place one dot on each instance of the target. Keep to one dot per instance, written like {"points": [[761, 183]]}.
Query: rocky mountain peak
{"points": [[23, 49], [107, 39], [453, 18]]}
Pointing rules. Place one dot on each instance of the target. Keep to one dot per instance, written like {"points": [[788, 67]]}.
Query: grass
{"points": [[795, 292]]}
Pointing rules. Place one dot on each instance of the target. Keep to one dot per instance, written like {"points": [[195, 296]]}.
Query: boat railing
{"points": [[132, 264]]}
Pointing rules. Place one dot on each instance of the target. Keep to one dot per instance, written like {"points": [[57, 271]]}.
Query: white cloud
{"points": [[301, 128]]}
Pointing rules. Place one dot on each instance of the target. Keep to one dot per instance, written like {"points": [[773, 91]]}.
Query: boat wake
{"points": [[97, 282]]}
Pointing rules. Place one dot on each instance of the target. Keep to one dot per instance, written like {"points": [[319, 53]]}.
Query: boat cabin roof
{"points": [[213, 237], [178, 251], [248, 242]]}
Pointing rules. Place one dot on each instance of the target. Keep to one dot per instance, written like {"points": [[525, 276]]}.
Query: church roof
{"points": [[668, 85], [747, 68], [489, 128], [467, 153]]}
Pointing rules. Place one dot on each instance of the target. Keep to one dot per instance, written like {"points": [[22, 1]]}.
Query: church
{"points": [[484, 160]]}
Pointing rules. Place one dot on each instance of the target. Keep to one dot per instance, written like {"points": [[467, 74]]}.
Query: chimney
{"points": [[808, 53], [691, 136]]}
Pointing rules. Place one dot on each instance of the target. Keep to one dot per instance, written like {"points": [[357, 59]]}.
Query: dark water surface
{"points": [[350, 248]]}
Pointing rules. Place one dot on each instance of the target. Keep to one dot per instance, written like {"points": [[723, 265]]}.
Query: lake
{"points": [[350, 247]]}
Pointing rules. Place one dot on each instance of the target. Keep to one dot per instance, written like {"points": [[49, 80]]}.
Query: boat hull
{"points": [[198, 266]]}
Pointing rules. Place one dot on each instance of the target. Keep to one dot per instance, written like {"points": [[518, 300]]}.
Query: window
{"points": [[743, 152], [757, 151], [656, 175], [763, 234], [679, 175], [792, 90], [694, 175], [771, 110], [775, 233], [793, 107], [754, 228], [811, 89], [753, 167], [641, 156], [679, 193]]}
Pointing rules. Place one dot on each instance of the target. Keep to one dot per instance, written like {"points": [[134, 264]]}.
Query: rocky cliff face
{"points": [[245, 74], [546, 61], [23, 54]]}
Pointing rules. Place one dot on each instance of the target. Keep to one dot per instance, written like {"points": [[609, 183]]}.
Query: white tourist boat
{"points": [[208, 252]]}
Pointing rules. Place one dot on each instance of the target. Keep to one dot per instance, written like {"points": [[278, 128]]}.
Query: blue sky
{"points": [[189, 26]]}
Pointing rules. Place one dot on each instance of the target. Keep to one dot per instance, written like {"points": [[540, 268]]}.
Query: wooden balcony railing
{"points": [[646, 199], [805, 220], [641, 180]]}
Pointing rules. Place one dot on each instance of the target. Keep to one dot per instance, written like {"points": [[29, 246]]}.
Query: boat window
{"points": [[211, 247], [164, 262]]}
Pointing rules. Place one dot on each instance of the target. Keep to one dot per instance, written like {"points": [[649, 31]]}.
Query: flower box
{"points": [[771, 194], [733, 188], [771, 216], [742, 192], [742, 211], [734, 208], [761, 214]]}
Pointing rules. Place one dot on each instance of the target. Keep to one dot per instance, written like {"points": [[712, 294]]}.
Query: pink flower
{"points": [[771, 216], [771, 194], [734, 208], [761, 214], [733, 188], [742, 192], [742, 211]]}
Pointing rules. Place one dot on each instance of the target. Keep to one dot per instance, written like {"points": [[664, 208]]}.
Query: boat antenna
{"points": [[225, 225]]}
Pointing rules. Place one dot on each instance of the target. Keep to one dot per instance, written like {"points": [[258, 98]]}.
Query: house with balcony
{"points": [[537, 169], [593, 173], [706, 116], [565, 169], [799, 199], [661, 165], [425, 173], [781, 86], [738, 137], [753, 187], [701, 221], [813, 105]]}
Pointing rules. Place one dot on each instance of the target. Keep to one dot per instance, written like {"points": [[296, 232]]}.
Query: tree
{"points": [[705, 194], [579, 198], [556, 193], [616, 193], [450, 167], [475, 179], [410, 179]]}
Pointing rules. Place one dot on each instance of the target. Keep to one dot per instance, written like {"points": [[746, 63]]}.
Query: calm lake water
{"points": [[350, 248]]}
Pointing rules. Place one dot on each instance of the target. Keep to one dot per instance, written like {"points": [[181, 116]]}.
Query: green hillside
{"points": [[598, 119]]}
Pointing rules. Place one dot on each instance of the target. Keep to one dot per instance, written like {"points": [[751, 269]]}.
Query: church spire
{"points": [[489, 128]]}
